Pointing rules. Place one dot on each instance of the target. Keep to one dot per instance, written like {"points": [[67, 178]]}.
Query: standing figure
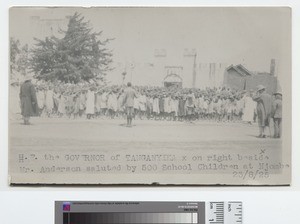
{"points": [[49, 101], [264, 104], [15, 103], [103, 102], [112, 104], [82, 102], [40, 99], [129, 95], [90, 103], [190, 105], [156, 107], [161, 108], [181, 112], [97, 104], [70, 104], [277, 114], [28, 100], [249, 108], [167, 107], [120, 99], [142, 100], [61, 105], [76, 110]]}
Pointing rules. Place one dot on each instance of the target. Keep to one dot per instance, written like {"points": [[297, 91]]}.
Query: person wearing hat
{"points": [[28, 100], [129, 95], [264, 106], [277, 114]]}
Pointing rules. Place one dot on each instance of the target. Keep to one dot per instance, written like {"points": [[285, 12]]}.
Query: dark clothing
{"points": [[277, 116], [277, 108], [264, 107], [161, 104], [29, 106], [130, 112], [129, 95], [181, 104], [277, 127]]}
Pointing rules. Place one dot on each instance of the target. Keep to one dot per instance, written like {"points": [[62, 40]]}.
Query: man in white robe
{"points": [[49, 101], [90, 103], [249, 108], [15, 103]]}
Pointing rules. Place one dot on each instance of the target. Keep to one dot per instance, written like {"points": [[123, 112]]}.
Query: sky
{"points": [[250, 36]]}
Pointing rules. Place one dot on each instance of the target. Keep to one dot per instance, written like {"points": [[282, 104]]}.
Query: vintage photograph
{"points": [[150, 95]]}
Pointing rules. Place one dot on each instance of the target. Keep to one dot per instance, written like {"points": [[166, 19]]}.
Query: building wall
{"points": [[234, 80], [269, 81], [210, 74]]}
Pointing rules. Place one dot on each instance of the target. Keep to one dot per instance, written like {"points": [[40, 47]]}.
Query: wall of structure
{"points": [[234, 80]]}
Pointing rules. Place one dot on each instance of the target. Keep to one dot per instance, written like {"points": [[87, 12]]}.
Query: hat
{"points": [[14, 82], [278, 93], [260, 87], [27, 77]]}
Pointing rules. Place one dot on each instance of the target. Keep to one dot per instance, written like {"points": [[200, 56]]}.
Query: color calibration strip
{"points": [[132, 212], [130, 218]]}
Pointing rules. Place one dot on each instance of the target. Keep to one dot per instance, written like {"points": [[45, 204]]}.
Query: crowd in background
{"points": [[157, 103]]}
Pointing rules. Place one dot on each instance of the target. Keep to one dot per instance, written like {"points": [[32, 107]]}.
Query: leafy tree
{"points": [[14, 51], [79, 56], [23, 60], [18, 57]]}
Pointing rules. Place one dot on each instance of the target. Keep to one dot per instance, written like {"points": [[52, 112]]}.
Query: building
{"points": [[173, 80], [173, 77], [239, 78], [210, 74]]}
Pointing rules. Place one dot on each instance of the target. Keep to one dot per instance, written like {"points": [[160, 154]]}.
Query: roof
{"points": [[264, 73], [172, 78], [240, 69]]}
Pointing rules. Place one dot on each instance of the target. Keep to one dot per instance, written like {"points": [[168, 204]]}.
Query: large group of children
{"points": [[156, 103]]}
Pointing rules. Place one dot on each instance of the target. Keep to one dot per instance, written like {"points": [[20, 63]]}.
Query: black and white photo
{"points": [[150, 95]]}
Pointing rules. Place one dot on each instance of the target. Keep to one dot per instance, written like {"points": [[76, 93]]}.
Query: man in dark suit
{"points": [[28, 100], [277, 114], [129, 95], [264, 107]]}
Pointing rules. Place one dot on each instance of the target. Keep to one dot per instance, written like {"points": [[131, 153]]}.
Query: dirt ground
{"points": [[49, 133]]}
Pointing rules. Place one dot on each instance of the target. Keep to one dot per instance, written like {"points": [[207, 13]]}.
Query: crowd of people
{"points": [[157, 103], [91, 101]]}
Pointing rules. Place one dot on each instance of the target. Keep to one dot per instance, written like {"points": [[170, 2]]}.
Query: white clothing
{"points": [[142, 102], [49, 100], [167, 105], [61, 105], [249, 110], [15, 104], [90, 102], [40, 95], [156, 105], [112, 102], [103, 100]]}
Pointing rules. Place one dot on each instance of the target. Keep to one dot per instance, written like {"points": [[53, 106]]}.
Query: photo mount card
{"points": [[150, 95]]}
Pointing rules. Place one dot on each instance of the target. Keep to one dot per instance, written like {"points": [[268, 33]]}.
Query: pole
{"points": [[194, 71], [131, 71]]}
